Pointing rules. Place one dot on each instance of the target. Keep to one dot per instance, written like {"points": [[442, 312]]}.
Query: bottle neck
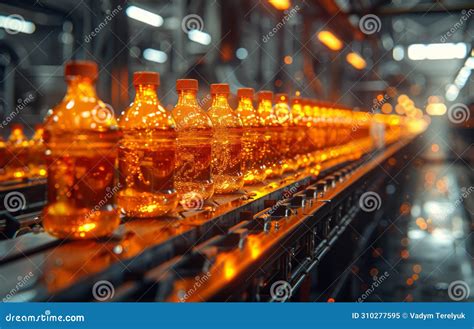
{"points": [[38, 136], [82, 87], [17, 135], [245, 103], [187, 97], [146, 93], [265, 106], [220, 100]]}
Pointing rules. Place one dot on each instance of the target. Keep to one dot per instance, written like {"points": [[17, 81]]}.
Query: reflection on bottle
{"points": [[227, 142]]}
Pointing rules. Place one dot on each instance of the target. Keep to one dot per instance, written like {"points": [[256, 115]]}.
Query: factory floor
{"points": [[424, 250]]}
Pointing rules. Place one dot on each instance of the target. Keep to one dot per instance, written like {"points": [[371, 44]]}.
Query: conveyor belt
{"points": [[281, 229]]}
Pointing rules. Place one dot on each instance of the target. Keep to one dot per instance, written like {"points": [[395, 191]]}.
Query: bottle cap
{"points": [[86, 69], [146, 78], [245, 92], [220, 88], [282, 97], [191, 84], [265, 95]]}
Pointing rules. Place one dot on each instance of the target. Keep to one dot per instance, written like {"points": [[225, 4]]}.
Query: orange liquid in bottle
{"points": [[81, 137], [310, 133], [283, 115], [37, 161], [274, 155], [193, 179], [227, 143], [17, 149], [253, 139], [299, 146], [147, 153]]}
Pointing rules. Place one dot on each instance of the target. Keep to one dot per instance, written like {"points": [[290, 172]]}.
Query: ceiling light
{"points": [[436, 51], [200, 37], [15, 23], [356, 61], [144, 16], [155, 55], [330, 40]]}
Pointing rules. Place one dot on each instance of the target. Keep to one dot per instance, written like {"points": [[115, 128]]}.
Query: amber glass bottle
{"points": [[81, 137], [299, 145], [227, 143], [17, 149], [253, 139], [193, 179], [147, 153], [274, 155], [37, 160], [283, 115]]}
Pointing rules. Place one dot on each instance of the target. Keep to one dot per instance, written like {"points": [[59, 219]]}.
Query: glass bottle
{"points": [[37, 161], [147, 153], [299, 145], [274, 156], [283, 115], [253, 138], [193, 179], [17, 148], [81, 137], [227, 143], [311, 132]]}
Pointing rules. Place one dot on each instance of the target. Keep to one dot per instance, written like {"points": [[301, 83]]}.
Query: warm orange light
{"points": [[288, 60], [330, 40], [387, 108], [229, 270], [356, 61], [436, 109], [280, 4]]}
